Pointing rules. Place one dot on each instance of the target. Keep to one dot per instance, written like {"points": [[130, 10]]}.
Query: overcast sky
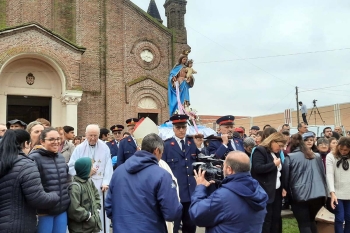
{"points": [[222, 33]]}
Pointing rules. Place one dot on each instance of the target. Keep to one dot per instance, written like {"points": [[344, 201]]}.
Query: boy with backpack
{"points": [[85, 205]]}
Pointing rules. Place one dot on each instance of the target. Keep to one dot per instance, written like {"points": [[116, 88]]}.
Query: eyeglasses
{"points": [[52, 139], [118, 132], [92, 136], [280, 145], [180, 127]]}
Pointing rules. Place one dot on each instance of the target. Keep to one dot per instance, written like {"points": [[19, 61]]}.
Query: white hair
{"points": [[93, 127]]}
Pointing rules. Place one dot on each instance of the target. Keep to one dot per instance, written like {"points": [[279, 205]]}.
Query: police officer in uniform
{"points": [[127, 146], [229, 140], [114, 144], [180, 152]]}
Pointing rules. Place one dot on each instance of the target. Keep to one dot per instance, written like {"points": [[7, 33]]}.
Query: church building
{"points": [[77, 62]]}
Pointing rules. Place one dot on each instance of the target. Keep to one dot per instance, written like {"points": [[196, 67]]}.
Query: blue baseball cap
{"points": [[308, 135]]}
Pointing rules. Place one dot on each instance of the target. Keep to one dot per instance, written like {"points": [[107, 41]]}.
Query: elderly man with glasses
{"points": [[180, 152]]}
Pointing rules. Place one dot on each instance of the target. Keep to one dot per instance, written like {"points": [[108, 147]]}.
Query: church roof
{"points": [[153, 11], [45, 31]]}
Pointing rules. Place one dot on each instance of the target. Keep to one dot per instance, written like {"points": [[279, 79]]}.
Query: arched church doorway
{"points": [[147, 107], [31, 88]]}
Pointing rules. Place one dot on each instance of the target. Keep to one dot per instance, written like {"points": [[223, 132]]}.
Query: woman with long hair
{"points": [[338, 176], [266, 169], [54, 174], [309, 140], [21, 190], [333, 142], [305, 182]]}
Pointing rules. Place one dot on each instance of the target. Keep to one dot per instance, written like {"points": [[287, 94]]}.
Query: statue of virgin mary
{"points": [[177, 77]]}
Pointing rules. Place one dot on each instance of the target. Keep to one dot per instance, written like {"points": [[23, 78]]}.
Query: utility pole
{"points": [[297, 98]]}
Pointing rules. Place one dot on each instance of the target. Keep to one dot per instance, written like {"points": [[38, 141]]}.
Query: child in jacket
{"points": [[85, 205]]}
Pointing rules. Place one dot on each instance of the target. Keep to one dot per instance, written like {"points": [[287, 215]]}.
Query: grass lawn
{"points": [[289, 225]]}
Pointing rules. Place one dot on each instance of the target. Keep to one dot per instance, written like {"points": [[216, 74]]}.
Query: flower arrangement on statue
{"points": [[192, 113]]}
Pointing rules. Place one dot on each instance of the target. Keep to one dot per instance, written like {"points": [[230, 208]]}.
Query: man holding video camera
{"points": [[180, 152], [244, 212]]}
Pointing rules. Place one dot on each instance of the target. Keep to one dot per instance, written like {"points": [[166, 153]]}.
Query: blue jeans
{"points": [[342, 213], [53, 223]]}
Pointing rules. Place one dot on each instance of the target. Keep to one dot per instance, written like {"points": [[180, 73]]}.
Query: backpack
{"points": [[76, 183]]}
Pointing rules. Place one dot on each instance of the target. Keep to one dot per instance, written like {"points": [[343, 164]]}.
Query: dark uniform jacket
{"points": [[127, 148], [54, 177], [216, 147], [181, 165], [21, 192], [142, 196], [113, 147]]}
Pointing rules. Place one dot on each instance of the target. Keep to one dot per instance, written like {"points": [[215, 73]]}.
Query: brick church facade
{"points": [[78, 62]]}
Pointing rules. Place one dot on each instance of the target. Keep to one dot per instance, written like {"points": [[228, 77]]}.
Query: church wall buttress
{"points": [[63, 18], [89, 26], [115, 89]]}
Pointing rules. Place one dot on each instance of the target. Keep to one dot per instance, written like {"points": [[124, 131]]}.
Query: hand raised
{"points": [[93, 171], [277, 161], [224, 138], [200, 178]]}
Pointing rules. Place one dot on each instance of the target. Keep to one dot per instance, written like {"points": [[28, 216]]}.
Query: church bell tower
{"points": [[175, 11]]}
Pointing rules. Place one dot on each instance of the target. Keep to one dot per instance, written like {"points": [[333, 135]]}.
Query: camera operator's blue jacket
{"points": [[181, 165], [142, 196], [239, 205], [216, 147]]}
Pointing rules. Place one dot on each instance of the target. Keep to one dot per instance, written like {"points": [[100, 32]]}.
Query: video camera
{"points": [[212, 167], [314, 101]]}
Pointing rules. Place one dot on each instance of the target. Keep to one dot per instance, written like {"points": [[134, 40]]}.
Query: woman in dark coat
{"points": [[21, 190], [305, 182], [54, 175], [266, 169]]}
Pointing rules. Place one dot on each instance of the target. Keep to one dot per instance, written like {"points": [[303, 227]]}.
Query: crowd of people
{"points": [[54, 181]]}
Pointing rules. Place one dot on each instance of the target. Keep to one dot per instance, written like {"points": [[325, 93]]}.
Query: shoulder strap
{"points": [[76, 183]]}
